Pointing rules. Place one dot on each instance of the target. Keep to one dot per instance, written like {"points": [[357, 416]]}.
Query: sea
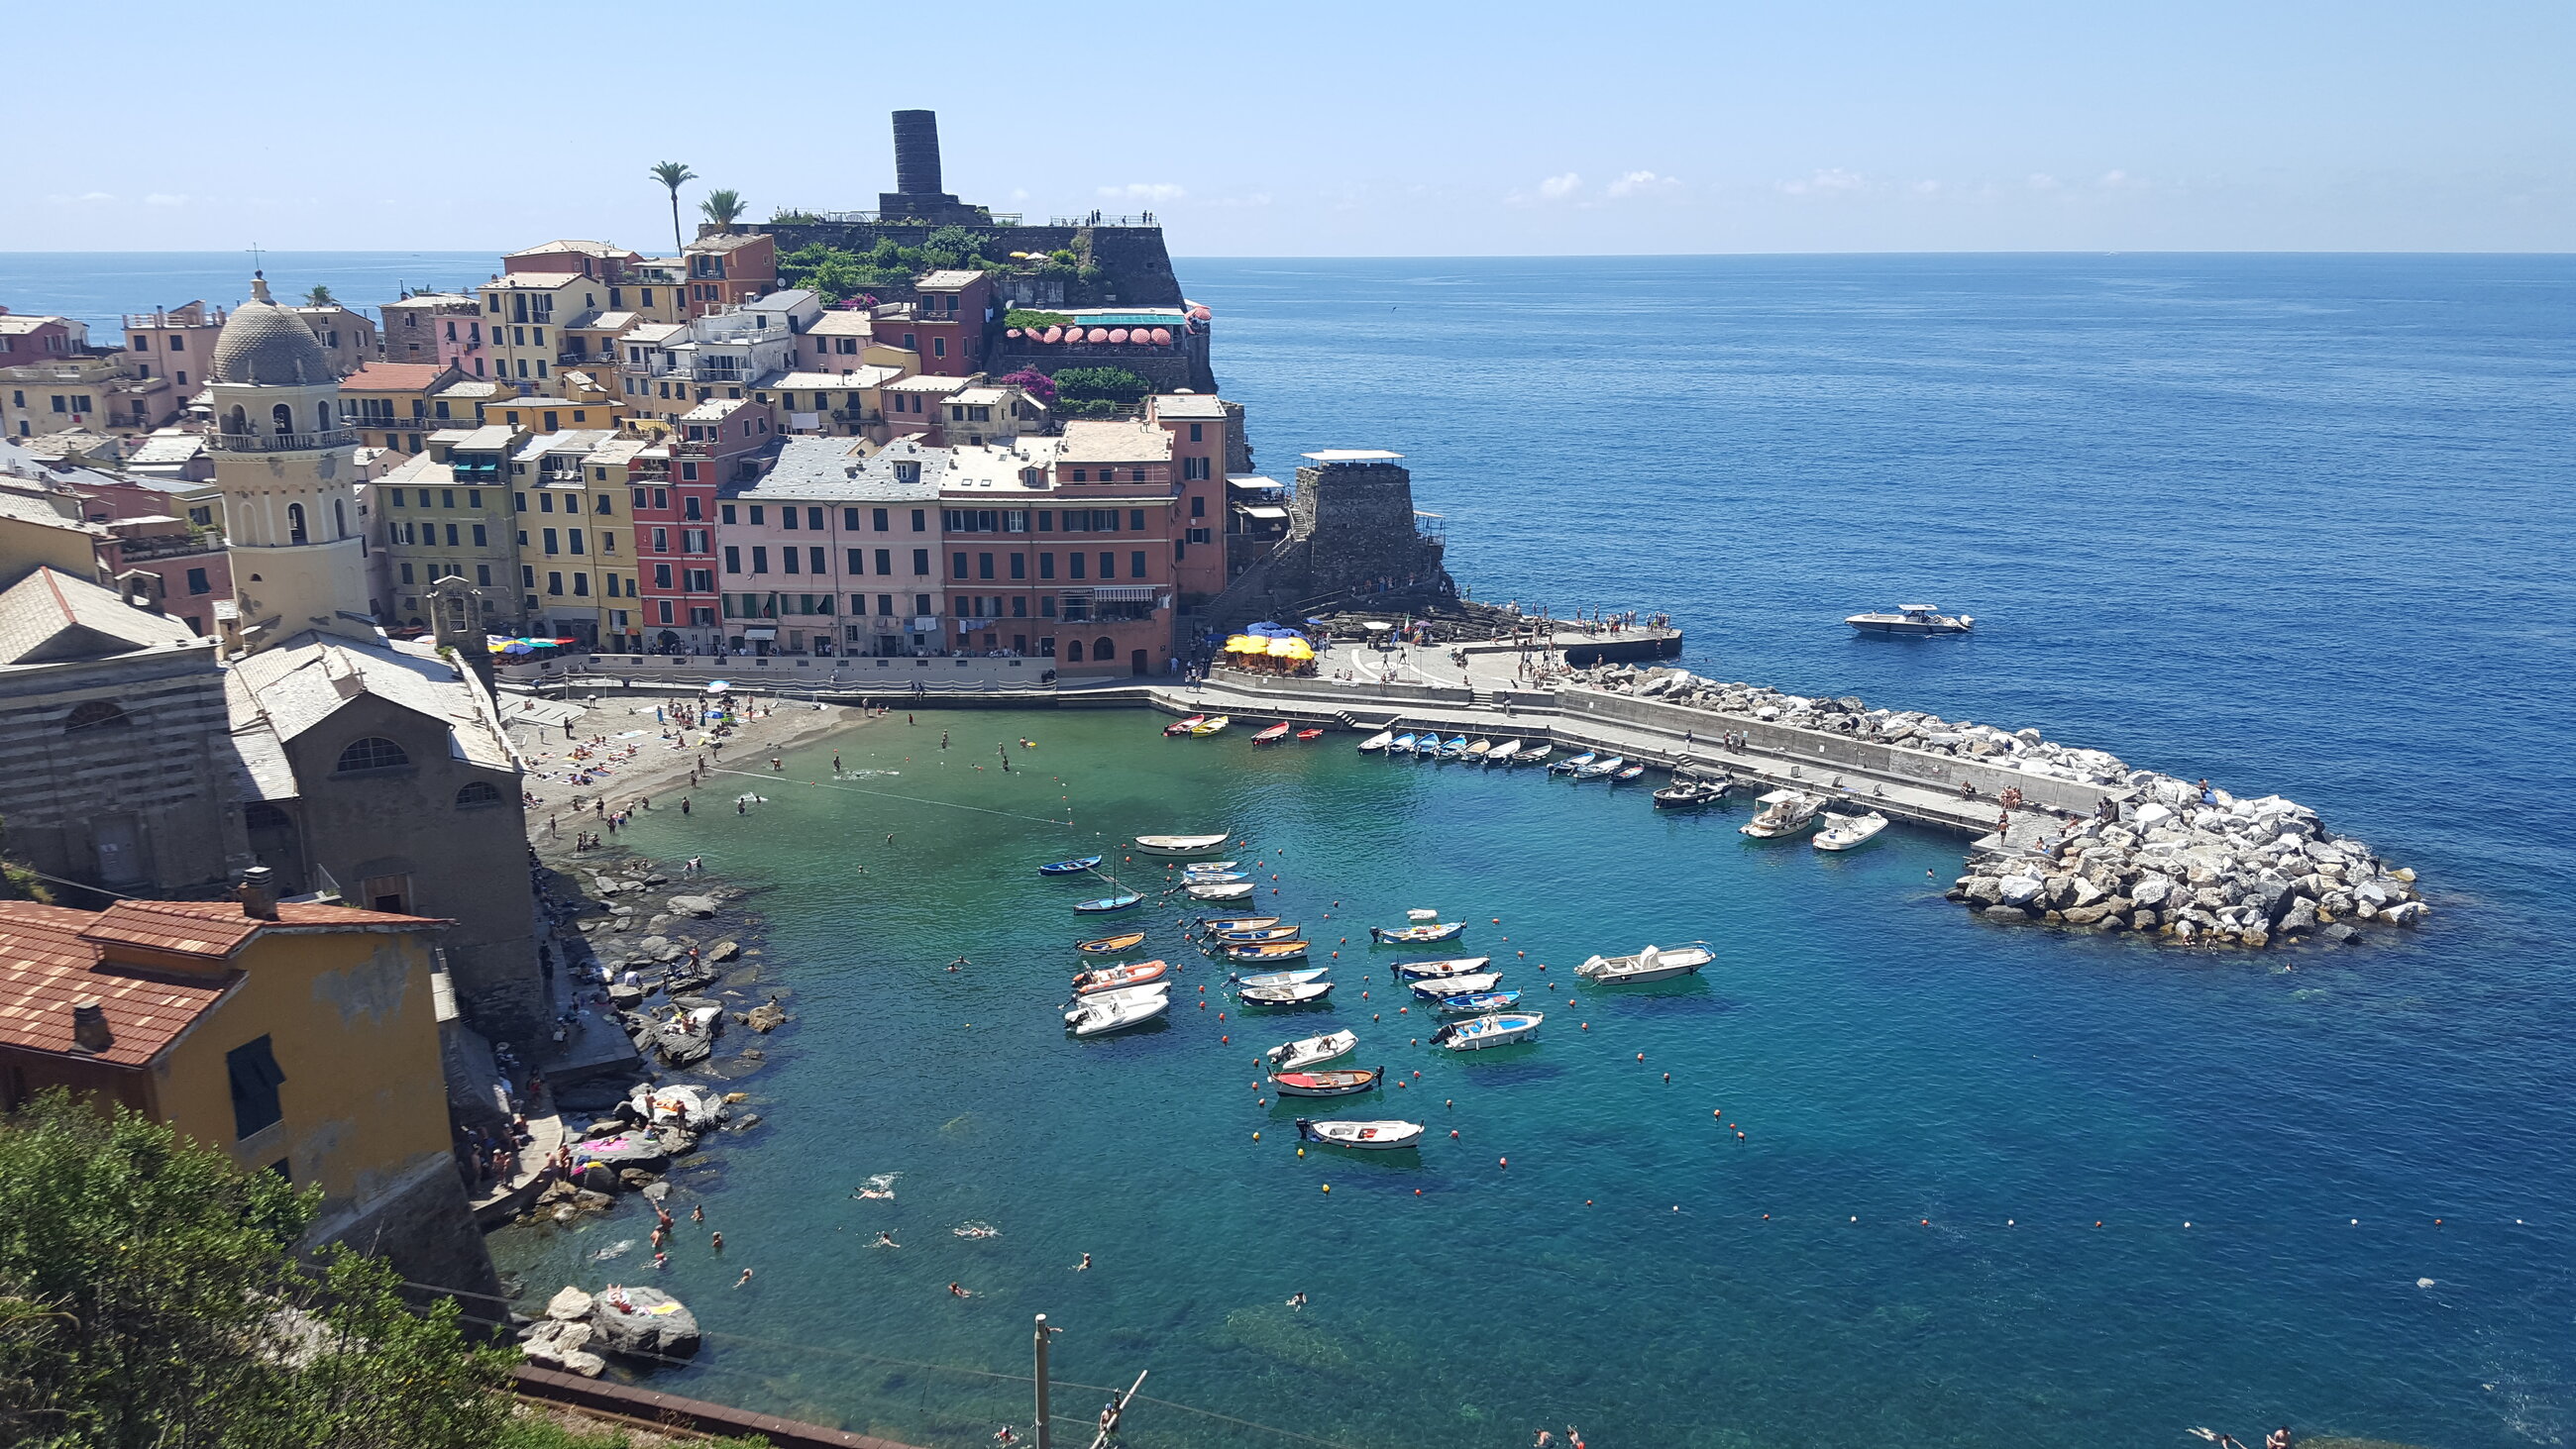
{"points": [[1883, 1173]]}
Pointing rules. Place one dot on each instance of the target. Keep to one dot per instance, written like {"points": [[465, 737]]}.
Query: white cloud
{"points": [[164, 198], [1643, 183], [1832, 181], [1558, 188], [2042, 181], [2122, 181], [1927, 188], [1157, 192], [86, 198]]}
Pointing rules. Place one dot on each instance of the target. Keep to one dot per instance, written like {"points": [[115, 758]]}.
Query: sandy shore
{"points": [[659, 770]]}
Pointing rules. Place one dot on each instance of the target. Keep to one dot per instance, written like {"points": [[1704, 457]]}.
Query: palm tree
{"points": [[722, 207], [320, 297], [673, 175]]}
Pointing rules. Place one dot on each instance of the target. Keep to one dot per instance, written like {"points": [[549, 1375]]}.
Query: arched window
{"points": [[371, 753], [477, 793], [339, 518], [295, 523], [236, 422], [284, 417], [260, 815], [94, 715], [321, 417], [1104, 650], [1073, 651]]}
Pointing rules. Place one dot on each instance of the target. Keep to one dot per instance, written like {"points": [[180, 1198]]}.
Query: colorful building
{"points": [[727, 269], [447, 513], [834, 552], [388, 403], [440, 327]]}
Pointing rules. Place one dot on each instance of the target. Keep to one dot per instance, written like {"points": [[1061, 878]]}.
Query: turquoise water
{"points": [[1887, 1060]]}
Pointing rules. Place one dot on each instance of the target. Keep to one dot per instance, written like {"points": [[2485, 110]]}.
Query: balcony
{"points": [[281, 442]]}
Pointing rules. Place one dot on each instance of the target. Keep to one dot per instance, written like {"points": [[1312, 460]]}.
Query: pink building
{"points": [[675, 485], [436, 327], [1197, 424], [835, 553]]}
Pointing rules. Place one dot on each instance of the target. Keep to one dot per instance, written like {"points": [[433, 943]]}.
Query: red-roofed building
{"points": [[298, 1038], [388, 403]]}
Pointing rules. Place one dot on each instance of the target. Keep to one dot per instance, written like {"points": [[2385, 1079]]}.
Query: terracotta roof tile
{"points": [[46, 965]]}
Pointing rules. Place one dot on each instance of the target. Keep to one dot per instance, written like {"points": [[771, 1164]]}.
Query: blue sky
{"points": [[1323, 128]]}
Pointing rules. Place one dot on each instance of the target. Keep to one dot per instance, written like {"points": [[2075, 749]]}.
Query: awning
{"points": [[1262, 510], [760, 632], [1123, 593]]}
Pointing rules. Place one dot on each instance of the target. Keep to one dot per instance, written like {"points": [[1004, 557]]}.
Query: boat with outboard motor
{"points": [[1454, 747], [1402, 744], [1689, 792], [1652, 964], [1252, 936], [1468, 984], [1110, 978], [1293, 1056], [1628, 774], [1784, 813], [1376, 1136], [1602, 769], [1848, 832], [1471, 1003], [1912, 619], [1095, 1017], [1428, 970], [1332, 1082], [1075, 866], [1479, 750], [1417, 934], [1496, 1028], [1299, 993], [1535, 754], [1310, 733], [1297, 977], [1181, 844], [1504, 753]]}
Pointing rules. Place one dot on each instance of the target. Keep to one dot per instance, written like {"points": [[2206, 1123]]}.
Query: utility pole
{"points": [[1045, 1420]]}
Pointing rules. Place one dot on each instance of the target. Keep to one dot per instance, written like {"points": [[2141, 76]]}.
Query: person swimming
{"points": [[886, 1240]]}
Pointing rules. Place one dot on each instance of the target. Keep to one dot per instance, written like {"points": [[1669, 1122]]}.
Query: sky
{"points": [[1321, 128]]}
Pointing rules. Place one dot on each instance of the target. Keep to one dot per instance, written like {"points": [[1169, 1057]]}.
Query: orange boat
{"points": [[1116, 945], [1110, 978]]}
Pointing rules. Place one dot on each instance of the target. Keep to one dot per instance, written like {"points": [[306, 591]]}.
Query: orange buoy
{"points": [[1503, 1161], [1328, 1187], [1256, 1136], [1400, 1011], [1453, 1131], [1417, 1192], [1641, 1056]]}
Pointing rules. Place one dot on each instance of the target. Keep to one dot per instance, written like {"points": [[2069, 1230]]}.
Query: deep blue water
{"points": [[2296, 523], [100, 288]]}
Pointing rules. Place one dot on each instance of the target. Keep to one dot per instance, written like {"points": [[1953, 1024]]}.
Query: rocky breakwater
{"points": [[2157, 855], [641, 1324], [2215, 871]]}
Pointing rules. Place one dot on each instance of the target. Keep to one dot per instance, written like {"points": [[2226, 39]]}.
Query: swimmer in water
{"points": [[1084, 1266], [745, 1278], [956, 1292], [886, 1240], [698, 1214], [960, 961]]}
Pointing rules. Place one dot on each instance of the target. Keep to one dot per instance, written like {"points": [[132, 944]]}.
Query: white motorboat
{"points": [[1601, 769], [1181, 844], [1849, 832], [1451, 966], [1285, 978], [1652, 964], [1295, 994], [1377, 1136], [1912, 619], [1220, 892], [1311, 1051], [1572, 763], [1504, 753], [1535, 754], [1491, 1030], [1202, 867], [1093, 1018], [1122, 996], [1467, 984], [1784, 812], [1377, 742]]}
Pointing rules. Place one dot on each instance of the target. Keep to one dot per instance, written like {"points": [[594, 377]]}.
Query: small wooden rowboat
{"points": [[1417, 935], [1219, 925], [1195, 876], [1106, 904], [1180, 844], [1310, 734], [1628, 774], [1273, 735], [1572, 763], [1374, 1135], [1237, 892], [1299, 994], [1118, 945], [1075, 866], [1535, 754], [1473, 981], [1214, 724], [1254, 936], [1184, 726], [1333, 1082], [1252, 952], [1295, 1056], [1453, 966], [1378, 741], [1111, 978], [1495, 1029], [1504, 753], [1285, 978]]}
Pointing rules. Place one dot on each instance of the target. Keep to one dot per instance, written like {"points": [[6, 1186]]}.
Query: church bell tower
{"points": [[287, 469]]}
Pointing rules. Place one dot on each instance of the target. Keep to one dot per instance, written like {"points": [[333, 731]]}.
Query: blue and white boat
{"points": [[1532, 755], [1284, 978], [1119, 902], [1253, 935], [1601, 768], [1454, 748], [1452, 966], [1400, 745], [1471, 1003], [1468, 984], [1493, 1029], [1213, 877], [1377, 742], [1572, 763], [1075, 866]]}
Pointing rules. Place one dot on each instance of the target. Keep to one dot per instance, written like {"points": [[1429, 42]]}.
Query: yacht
{"points": [[1912, 619]]}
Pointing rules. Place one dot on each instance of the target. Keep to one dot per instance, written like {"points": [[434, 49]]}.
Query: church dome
{"points": [[269, 346]]}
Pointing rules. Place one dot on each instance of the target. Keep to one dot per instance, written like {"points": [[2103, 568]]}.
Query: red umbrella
{"points": [[1052, 334], [1117, 334], [1162, 337], [1099, 334]]}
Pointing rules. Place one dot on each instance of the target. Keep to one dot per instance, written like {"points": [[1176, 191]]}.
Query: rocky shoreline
{"points": [[2173, 861]]}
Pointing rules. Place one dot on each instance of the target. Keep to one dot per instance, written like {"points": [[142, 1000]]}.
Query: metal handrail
{"points": [[281, 443]]}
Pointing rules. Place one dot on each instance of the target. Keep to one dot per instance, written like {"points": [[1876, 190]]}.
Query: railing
{"points": [[1097, 219], [870, 218], [168, 545], [281, 443]]}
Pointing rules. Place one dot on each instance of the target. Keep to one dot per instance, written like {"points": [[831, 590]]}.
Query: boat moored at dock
{"points": [[1376, 742], [1784, 813], [1183, 726], [1849, 832]]}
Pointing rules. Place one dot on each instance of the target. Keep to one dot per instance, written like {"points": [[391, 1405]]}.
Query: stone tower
{"points": [[287, 471]]}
